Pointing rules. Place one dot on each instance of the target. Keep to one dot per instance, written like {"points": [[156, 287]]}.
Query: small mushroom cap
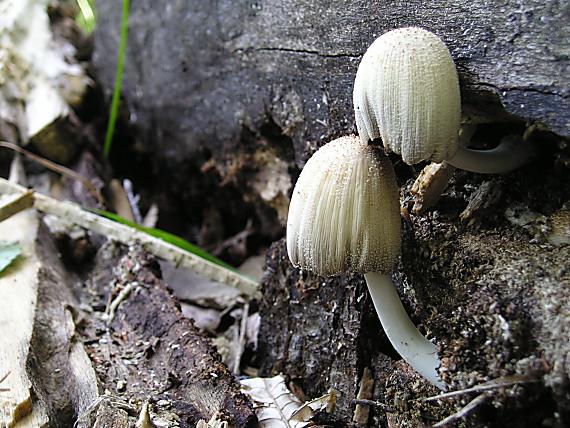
{"points": [[344, 213], [406, 92]]}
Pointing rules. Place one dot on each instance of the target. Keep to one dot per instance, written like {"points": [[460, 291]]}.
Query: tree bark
{"points": [[489, 283]]}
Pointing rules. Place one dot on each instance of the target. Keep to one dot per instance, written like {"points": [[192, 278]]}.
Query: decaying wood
{"points": [[13, 204], [145, 351], [488, 194], [311, 329], [72, 213], [19, 288], [361, 412], [62, 375], [430, 184], [109, 416], [291, 63], [51, 379], [149, 351]]}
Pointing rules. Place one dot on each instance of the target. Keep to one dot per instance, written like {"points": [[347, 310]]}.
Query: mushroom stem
{"points": [[414, 348], [511, 153]]}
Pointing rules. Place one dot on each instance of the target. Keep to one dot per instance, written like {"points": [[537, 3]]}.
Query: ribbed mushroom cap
{"points": [[344, 213], [407, 93]]}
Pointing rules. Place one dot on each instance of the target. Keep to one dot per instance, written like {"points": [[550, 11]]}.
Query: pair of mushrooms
{"points": [[344, 213]]}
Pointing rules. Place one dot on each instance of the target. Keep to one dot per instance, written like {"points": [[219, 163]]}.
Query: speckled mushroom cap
{"points": [[344, 213], [407, 93]]}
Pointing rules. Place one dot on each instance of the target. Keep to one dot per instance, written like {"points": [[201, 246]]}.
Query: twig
{"points": [[90, 409], [133, 200], [362, 412], [472, 405], [60, 169], [127, 235], [241, 341], [234, 240], [114, 304], [493, 384]]}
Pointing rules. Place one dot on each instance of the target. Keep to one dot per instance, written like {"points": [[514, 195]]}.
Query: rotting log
{"points": [[490, 286], [215, 91], [62, 374], [492, 294], [91, 351], [197, 74], [144, 349]]}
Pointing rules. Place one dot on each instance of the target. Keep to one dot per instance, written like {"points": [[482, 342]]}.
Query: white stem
{"points": [[511, 153], [414, 348]]}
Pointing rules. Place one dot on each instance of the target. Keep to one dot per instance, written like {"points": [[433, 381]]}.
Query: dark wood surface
{"points": [[198, 73], [216, 78]]}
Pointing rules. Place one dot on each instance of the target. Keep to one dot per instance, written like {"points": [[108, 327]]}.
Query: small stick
{"points": [[493, 384], [361, 412], [60, 169], [133, 200], [241, 341], [472, 405]]}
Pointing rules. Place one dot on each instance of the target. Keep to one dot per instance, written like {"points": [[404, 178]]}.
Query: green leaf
{"points": [[167, 237], [8, 253]]}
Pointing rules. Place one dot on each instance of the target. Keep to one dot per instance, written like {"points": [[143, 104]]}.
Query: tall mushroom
{"points": [[406, 92], [344, 216]]}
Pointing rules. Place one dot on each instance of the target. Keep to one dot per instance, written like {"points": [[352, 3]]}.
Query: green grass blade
{"points": [[86, 17], [118, 79], [167, 237]]}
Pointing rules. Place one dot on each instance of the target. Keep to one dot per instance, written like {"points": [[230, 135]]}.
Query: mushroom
{"points": [[406, 92], [344, 216]]}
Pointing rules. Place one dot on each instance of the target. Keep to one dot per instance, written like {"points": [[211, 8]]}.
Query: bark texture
{"points": [[484, 273], [199, 73], [107, 341], [492, 294], [146, 350]]}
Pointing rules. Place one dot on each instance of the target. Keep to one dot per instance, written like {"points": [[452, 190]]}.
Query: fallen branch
{"points": [[124, 234]]}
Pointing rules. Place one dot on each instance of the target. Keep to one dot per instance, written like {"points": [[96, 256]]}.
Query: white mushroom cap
{"points": [[344, 213], [407, 93]]}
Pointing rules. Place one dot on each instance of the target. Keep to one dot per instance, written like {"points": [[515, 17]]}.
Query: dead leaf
{"points": [[276, 407]]}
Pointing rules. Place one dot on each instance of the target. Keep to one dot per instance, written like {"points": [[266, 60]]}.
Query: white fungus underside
{"points": [[407, 93], [344, 212]]}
